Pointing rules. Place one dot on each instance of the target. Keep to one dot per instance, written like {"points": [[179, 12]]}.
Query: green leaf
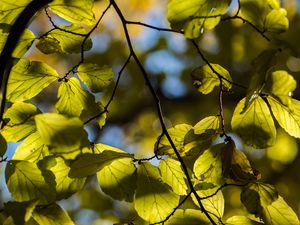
{"points": [[241, 220], [254, 124], [3, 145], [32, 149], [205, 79], [60, 168], [89, 163], [209, 125], [256, 196], [278, 212], [208, 166], [192, 15], [214, 203], [9, 10], [63, 135], [75, 11], [52, 215], [277, 21], [154, 200], [73, 99], [118, 179], [281, 85], [173, 175], [188, 216], [20, 121], [24, 43], [25, 182], [66, 40], [288, 119], [95, 77], [27, 79], [20, 211]]}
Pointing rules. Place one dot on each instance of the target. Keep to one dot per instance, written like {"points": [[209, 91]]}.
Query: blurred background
{"points": [[132, 123]]}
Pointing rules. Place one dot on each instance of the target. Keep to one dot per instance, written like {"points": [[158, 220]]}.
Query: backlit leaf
{"points": [[27, 79], [205, 79], [118, 179], [89, 163], [241, 220], [20, 121], [209, 125], [9, 10], [64, 41], [25, 182], [52, 215], [60, 168], [173, 175], [75, 11], [192, 15], [24, 43], [32, 149], [254, 124], [63, 135], [154, 200], [94, 76], [188, 216], [288, 119], [73, 99], [277, 21]]}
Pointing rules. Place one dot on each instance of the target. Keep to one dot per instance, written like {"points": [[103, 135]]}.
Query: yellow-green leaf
{"points": [[254, 124], [277, 21], [63, 135], [73, 99], [288, 119], [241, 220], [52, 215], [95, 77], [20, 121], [27, 79], [173, 175], [118, 179], [24, 43], [188, 216], [60, 168], [154, 200], [209, 125], [32, 149], [66, 40], [9, 10], [205, 79], [75, 11], [89, 163], [195, 15], [26, 182]]}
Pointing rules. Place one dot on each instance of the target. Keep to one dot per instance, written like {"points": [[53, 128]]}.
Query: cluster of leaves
{"points": [[56, 157]]}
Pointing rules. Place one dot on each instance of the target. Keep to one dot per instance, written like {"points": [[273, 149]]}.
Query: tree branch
{"points": [[14, 35]]}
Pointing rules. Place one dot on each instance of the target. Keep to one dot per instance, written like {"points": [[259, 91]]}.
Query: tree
{"points": [[196, 164]]}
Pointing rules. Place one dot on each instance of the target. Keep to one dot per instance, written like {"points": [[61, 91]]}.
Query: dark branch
{"points": [[15, 33]]}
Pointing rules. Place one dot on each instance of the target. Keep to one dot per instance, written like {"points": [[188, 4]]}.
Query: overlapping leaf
{"points": [[254, 124], [205, 79], [60, 168], [75, 11], [26, 182], [188, 216], [173, 175], [195, 15], [27, 79], [24, 43], [52, 215], [20, 121], [89, 163], [241, 220], [61, 134], [96, 78], [73, 99], [154, 200], [67, 39]]}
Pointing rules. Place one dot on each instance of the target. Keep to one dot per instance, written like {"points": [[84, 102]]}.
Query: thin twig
{"points": [[159, 109], [105, 110]]}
